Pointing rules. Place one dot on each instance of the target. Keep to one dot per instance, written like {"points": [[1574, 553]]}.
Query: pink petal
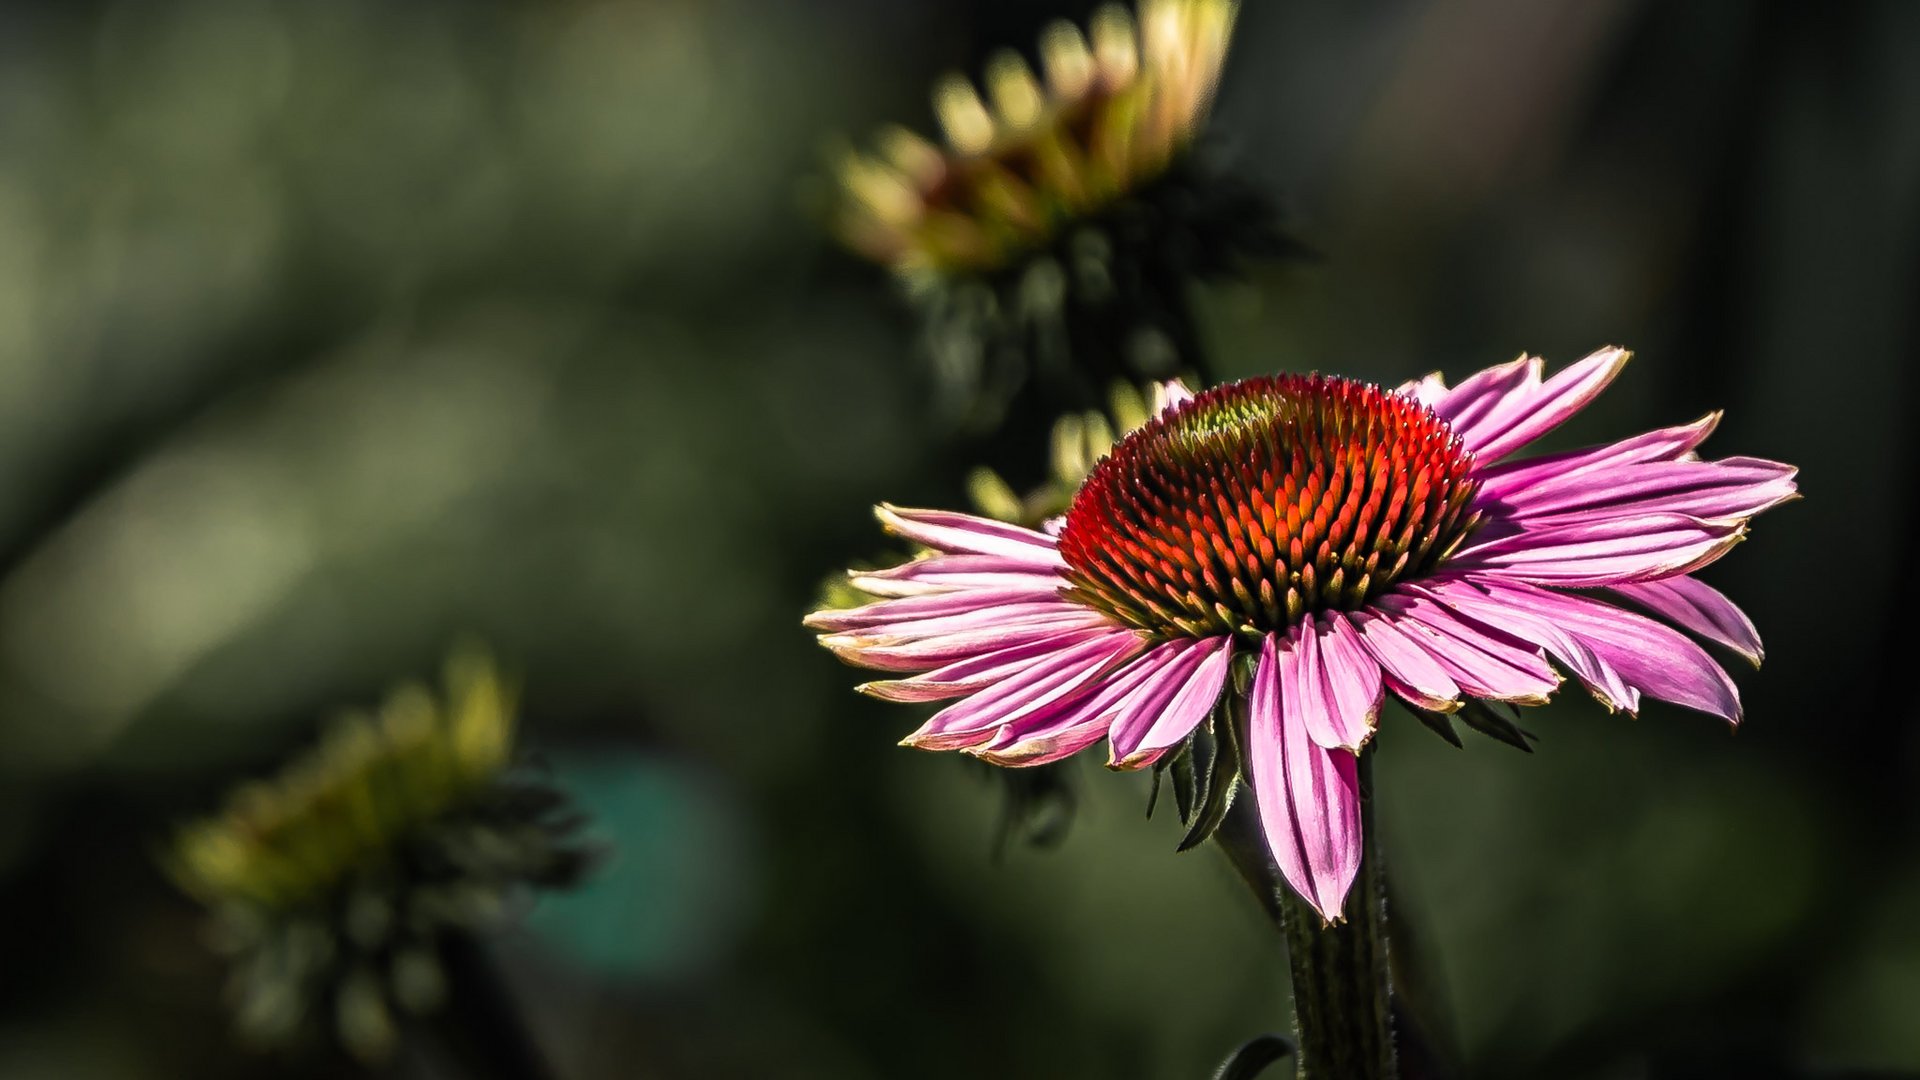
{"points": [[1609, 552], [927, 653], [1167, 395], [1696, 606], [1410, 670], [1426, 390], [945, 530], [1051, 679], [947, 573], [1003, 617], [1664, 444], [1653, 658], [915, 610], [1073, 724], [1340, 684], [1484, 661], [975, 673], [1463, 597], [1133, 714], [1720, 491], [1044, 747], [1152, 723], [1536, 410], [1487, 398], [1309, 796]]}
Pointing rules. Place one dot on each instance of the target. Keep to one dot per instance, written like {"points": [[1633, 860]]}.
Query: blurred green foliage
{"points": [[330, 332]]}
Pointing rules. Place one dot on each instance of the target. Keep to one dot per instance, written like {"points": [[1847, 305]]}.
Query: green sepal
{"points": [[1202, 751], [1184, 779], [1223, 781]]}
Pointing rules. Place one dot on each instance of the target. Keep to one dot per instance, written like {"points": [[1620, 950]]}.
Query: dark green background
{"points": [[331, 332]]}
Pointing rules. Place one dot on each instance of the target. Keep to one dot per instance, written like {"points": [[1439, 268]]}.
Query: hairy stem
{"points": [[482, 1026], [1341, 1000]]}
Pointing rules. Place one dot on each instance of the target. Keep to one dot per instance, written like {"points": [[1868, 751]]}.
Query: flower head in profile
{"points": [[335, 882], [1111, 116], [1055, 234], [1307, 545]]}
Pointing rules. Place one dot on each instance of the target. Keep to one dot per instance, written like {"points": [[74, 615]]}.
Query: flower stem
{"points": [[482, 1027], [1341, 1001]]}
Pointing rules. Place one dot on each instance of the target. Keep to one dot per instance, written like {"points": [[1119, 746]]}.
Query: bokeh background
{"points": [[330, 333]]}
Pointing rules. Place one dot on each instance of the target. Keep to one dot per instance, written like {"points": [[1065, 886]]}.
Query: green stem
{"points": [[482, 1025], [1341, 1000]]}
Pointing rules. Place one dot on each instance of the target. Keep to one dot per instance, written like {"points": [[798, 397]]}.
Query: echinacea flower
{"points": [[1110, 118], [1056, 231], [1344, 541], [336, 884]]}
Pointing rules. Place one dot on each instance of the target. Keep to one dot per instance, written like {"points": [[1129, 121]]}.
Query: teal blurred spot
{"points": [[677, 883]]}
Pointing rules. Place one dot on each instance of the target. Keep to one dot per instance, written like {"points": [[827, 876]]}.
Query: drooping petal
{"points": [[1148, 726], [1465, 598], [1595, 554], [1534, 410], [1340, 683], [1410, 669], [1729, 490], [1308, 795], [1050, 679], [1484, 661], [945, 530], [1652, 657], [1695, 606]]}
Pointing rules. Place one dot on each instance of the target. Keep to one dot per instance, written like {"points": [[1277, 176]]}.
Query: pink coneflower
{"points": [[1345, 540]]}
